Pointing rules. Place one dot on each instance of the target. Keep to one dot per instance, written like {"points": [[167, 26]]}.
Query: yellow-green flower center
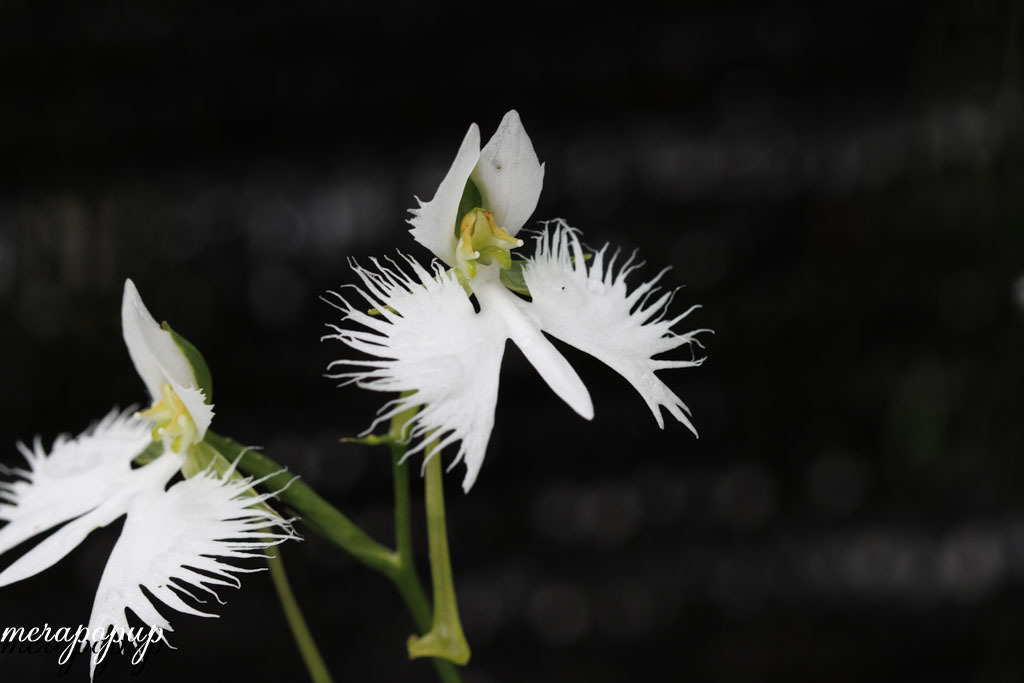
{"points": [[172, 422], [482, 242]]}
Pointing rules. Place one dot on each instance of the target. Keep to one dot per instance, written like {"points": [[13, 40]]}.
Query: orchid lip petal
{"points": [[428, 340], [593, 309], [58, 544], [525, 331], [178, 540], [74, 478]]}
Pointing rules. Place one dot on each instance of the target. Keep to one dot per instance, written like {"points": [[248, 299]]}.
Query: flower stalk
{"points": [[407, 580], [328, 522], [318, 672], [319, 515], [445, 638]]}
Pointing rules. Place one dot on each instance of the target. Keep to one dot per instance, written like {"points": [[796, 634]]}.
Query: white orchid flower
{"points": [[430, 344], [88, 481]]}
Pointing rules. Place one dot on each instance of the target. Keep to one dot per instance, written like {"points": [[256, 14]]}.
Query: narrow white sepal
{"points": [[158, 359], [509, 175], [428, 340], [178, 541], [433, 223], [524, 329], [593, 310], [75, 477]]}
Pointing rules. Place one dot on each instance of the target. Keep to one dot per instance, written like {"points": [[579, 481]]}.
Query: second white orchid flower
{"points": [[175, 540], [431, 346]]}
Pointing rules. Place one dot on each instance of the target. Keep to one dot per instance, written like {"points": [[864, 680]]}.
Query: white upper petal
{"points": [[73, 479], [433, 223], [158, 359], [197, 524], [55, 546], [433, 344], [593, 310], [509, 175]]}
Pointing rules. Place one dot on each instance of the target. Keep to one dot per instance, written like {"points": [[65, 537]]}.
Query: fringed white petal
{"points": [[61, 542], [428, 340], [75, 477], [433, 223], [509, 175], [158, 359], [178, 541], [524, 329], [592, 309]]}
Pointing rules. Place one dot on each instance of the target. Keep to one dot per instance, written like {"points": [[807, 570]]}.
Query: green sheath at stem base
{"points": [[445, 638]]}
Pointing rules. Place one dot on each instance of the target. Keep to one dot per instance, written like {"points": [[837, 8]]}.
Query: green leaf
{"points": [[512, 277], [204, 380], [471, 199]]}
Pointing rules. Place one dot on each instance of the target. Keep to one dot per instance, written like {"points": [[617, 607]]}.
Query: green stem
{"points": [[400, 474], [300, 630], [445, 638], [328, 522], [408, 585], [317, 513], [406, 580]]}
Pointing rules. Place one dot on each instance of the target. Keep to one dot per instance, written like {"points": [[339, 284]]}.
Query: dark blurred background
{"points": [[841, 187]]}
